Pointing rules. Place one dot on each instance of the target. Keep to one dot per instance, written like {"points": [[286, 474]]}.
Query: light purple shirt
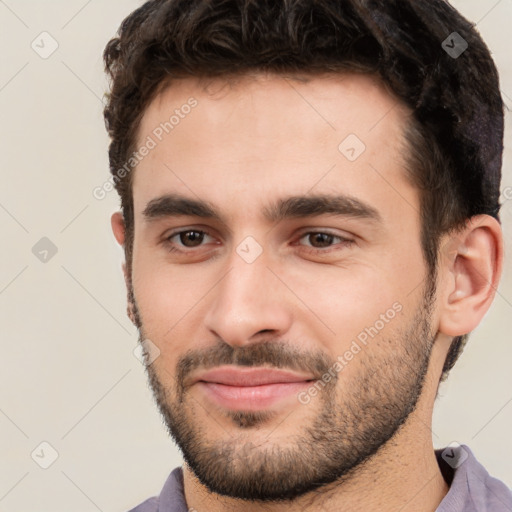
{"points": [[472, 489]]}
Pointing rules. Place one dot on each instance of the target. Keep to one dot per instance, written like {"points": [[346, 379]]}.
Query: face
{"points": [[278, 270]]}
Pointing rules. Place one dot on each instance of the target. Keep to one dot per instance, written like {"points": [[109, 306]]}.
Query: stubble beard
{"points": [[348, 425]]}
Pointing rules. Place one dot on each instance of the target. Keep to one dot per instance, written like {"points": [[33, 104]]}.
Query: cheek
{"points": [[364, 302], [169, 298], [353, 293]]}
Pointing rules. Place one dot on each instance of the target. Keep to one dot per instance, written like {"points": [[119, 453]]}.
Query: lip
{"points": [[237, 376], [250, 389]]}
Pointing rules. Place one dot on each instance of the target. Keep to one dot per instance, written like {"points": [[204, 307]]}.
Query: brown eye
{"points": [[189, 238], [320, 239]]}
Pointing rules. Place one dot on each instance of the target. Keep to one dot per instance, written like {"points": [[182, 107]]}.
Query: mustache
{"points": [[276, 355]]}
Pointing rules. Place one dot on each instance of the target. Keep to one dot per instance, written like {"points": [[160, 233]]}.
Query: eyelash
{"points": [[345, 242]]}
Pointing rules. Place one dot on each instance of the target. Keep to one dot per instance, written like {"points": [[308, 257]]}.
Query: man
{"points": [[309, 199]]}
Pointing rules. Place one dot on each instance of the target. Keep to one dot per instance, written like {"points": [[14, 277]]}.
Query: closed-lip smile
{"points": [[254, 388]]}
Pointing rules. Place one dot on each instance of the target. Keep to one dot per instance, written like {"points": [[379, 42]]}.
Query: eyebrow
{"points": [[172, 205]]}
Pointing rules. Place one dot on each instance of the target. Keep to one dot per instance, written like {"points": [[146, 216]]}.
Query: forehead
{"points": [[260, 136], [254, 103]]}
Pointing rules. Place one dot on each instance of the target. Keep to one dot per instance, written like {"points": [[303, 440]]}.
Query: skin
{"points": [[250, 143]]}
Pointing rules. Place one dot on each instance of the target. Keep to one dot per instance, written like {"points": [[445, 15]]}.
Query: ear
{"points": [[471, 263], [119, 230], [117, 222]]}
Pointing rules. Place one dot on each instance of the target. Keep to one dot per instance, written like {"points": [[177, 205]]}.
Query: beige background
{"points": [[68, 375]]}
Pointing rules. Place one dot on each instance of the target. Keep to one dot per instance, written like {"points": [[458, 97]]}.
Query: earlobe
{"points": [[472, 270]]}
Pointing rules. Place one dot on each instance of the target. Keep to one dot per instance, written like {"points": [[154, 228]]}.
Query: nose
{"points": [[249, 301]]}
